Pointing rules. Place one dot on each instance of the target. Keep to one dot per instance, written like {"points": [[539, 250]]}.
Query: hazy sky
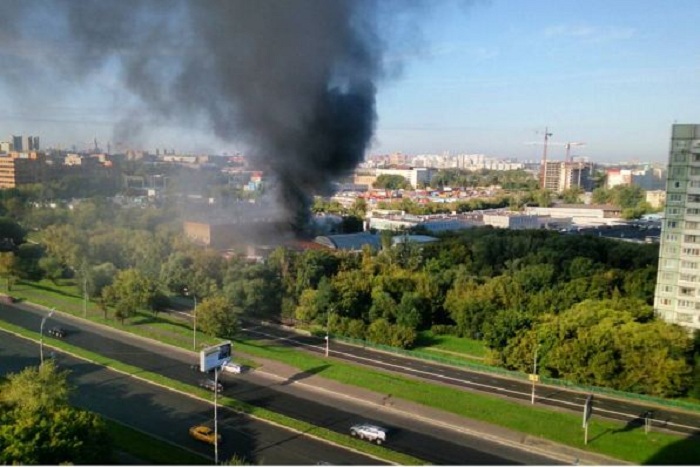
{"points": [[481, 77]]}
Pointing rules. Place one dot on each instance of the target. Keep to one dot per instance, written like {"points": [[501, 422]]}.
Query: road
{"points": [[677, 421], [169, 414], [420, 439]]}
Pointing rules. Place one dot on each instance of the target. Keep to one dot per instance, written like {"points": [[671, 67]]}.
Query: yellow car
{"points": [[203, 433]]}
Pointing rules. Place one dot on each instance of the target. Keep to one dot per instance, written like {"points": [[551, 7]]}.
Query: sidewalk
{"points": [[565, 454]]}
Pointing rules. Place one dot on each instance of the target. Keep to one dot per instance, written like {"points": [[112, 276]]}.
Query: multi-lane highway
{"points": [[423, 440], [630, 412], [168, 414]]}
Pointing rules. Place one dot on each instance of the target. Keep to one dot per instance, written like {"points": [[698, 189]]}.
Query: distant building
{"points": [[511, 220], [561, 176], [350, 242], [656, 198], [579, 213], [414, 175], [22, 143], [677, 295]]}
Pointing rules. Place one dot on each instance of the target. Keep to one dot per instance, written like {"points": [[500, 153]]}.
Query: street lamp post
{"points": [[328, 333], [216, 418], [194, 318], [41, 335], [85, 296], [534, 374], [194, 324]]}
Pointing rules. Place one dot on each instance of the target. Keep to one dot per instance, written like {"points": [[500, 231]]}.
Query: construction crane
{"points": [[546, 143], [543, 164], [568, 150]]}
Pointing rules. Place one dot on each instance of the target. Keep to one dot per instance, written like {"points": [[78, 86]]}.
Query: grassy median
{"points": [[618, 440]]}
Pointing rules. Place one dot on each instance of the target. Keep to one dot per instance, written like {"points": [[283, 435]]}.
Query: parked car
{"points": [[234, 368], [372, 433], [204, 433], [57, 332], [211, 385]]}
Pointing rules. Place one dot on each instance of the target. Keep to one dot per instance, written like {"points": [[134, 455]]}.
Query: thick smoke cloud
{"points": [[296, 80]]}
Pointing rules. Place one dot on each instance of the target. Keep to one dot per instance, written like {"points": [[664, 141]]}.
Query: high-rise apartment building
{"points": [[677, 297], [25, 143]]}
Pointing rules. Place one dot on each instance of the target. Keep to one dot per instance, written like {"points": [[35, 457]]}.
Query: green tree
{"points": [[392, 182], [218, 317], [37, 426]]}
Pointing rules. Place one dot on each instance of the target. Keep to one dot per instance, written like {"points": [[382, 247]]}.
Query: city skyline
{"points": [[482, 77]]}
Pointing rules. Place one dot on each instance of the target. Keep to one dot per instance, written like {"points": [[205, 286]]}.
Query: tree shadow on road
{"points": [[305, 374]]}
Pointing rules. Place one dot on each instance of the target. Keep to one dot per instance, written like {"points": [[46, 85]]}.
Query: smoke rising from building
{"points": [[295, 80]]}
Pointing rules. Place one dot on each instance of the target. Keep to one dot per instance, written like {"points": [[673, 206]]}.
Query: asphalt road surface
{"points": [[630, 412], [169, 414], [425, 441]]}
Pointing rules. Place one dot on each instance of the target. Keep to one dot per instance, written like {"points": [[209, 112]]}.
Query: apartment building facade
{"points": [[677, 295]]}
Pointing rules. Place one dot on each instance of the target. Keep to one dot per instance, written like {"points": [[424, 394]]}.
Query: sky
{"points": [[482, 76]]}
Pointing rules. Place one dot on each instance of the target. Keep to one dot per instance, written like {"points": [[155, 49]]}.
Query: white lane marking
{"points": [[322, 347]]}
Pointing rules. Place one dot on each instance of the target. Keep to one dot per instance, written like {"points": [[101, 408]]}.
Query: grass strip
{"points": [[605, 437], [149, 449], [254, 411], [609, 438]]}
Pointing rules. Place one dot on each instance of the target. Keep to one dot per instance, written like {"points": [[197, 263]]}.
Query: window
{"points": [[671, 224], [667, 288], [695, 157], [672, 237], [665, 301], [686, 264], [690, 251], [689, 211], [685, 277], [675, 197], [691, 225], [684, 318], [673, 211], [692, 198], [691, 238], [686, 304], [686, 291]]}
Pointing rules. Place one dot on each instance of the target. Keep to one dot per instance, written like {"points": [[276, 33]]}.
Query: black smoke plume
{"points": [[295, 79]]}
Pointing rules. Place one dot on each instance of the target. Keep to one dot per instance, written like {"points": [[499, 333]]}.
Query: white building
{"points": [[512, 220], [677, 296], [414, 175]]}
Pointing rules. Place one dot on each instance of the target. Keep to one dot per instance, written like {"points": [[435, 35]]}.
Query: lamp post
{"points": [[41, 335], [85, 296], [328, 333], [534, 374], [216, 418], [194, 319]]}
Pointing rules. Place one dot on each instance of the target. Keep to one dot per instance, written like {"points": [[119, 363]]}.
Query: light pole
{"points": [[194, 319], [534, 374], [194, 324], [41, 335], [85, 296], [328, 333], [216, 418]]}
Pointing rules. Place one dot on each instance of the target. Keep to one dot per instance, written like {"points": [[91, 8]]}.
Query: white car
{"points": [[231, 367], [373, 433]]}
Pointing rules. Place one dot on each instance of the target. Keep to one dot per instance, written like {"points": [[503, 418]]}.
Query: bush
{"points": [[444, 330]]}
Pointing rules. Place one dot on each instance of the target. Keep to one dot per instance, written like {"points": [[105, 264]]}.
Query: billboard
{"points": [[215, 356]]}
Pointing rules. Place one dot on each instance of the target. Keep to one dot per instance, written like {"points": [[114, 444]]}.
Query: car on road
{"points": [[204, 433], [231, 367], [57, 332], [211, 385], [373, 433]]}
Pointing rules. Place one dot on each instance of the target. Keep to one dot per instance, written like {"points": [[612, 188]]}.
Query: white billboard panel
{"points": [[215, 356]]}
